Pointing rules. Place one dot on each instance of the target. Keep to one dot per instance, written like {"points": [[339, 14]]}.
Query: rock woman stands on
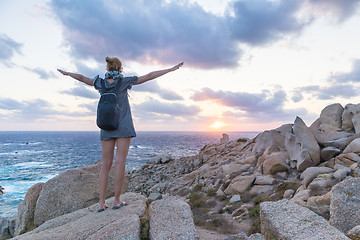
{"points": [[120, 137]]}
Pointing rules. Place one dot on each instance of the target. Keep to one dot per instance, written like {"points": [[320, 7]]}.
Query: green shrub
{"points": [[278, 168], [261, 199], [198, 203], [255, 227], [222, 198], [269, 236], [287, 185], [198, 187], [199, 220], [145, 226], [211, 192], [211, 203], [254, 211]]}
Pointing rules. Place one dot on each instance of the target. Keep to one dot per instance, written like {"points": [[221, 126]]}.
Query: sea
{"points": [[27, 158]]}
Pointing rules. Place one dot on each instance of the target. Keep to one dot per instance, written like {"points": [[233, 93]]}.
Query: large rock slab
{"points": [[332, 115], [344, 205], [26, 209], [287, 220], [302, 146], [329, 152], [324, 133], [275, 137], [353, 147], [70, 191], [87, 223], [310, 174], [171, 218], [275, 158], [239, 184], [234, 168], [351, 117]]}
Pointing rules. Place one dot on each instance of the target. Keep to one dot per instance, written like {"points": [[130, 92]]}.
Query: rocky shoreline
{"points": [[261, 188]]}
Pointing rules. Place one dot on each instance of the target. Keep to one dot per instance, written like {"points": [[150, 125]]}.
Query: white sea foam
{"points": [[21, 187], [25, 152], [140, 147], [32, 165]]}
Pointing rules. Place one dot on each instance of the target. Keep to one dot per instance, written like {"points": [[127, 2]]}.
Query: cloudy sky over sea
{"points": [[250, 65]]}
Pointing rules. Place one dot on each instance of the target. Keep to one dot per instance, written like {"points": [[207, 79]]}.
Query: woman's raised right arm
{"points": [[78, 77]]}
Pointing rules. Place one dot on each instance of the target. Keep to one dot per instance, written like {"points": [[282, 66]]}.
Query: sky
{"points": [[250, 65]]}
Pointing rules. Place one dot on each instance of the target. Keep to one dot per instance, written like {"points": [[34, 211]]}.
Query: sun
{"points": [[218, 125]]}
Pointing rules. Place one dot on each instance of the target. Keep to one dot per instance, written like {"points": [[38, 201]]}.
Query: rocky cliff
{"points": [[226, 182], [267, 187]]}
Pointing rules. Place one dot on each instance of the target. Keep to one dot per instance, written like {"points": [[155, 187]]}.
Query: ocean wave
{"points": [[19, 188], [25, 152], [140, 147], [32, 165], [21, 144]]}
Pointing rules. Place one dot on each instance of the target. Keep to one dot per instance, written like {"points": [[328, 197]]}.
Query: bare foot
{"points": [[118, 204], [102, 208]]}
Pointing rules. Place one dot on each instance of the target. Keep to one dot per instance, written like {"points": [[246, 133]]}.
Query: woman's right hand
{"points": [[63, 72]]}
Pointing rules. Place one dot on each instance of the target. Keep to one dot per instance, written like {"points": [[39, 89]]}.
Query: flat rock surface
{"points": [[87, 223], [171, 218], [287, 220]]}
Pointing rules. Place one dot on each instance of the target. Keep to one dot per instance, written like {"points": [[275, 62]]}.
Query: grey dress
{"points": [[126, 126]]}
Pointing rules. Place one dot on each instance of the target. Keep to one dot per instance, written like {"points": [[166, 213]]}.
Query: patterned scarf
{"points": [[113, 74]]}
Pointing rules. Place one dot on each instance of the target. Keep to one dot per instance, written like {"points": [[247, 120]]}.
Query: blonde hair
{"points": [[113, 64]]}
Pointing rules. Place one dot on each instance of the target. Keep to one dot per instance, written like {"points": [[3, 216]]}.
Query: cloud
{"points": [[326, 92], [91, 107], [33, 109], [267, 105], [139, 30], [248, 102], [29, 109], [153, 87], [42, 73], [337, 9], [82, 91], [169, 109], [258, 22], [171, 31], [8, 48], [352, 76]]}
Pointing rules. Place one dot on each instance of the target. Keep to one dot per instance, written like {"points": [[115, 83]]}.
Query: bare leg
{"points": [[107, 160], [123, 145]]}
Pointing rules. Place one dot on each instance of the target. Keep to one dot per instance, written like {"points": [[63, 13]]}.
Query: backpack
{"points": [[108, 111]]}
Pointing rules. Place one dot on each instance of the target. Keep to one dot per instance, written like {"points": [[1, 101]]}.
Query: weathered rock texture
{"points": [[26, 209], [87, 223], [345, 204], [287, 220], [70, 191], [7, 227], [302, 146], [171, 218]]}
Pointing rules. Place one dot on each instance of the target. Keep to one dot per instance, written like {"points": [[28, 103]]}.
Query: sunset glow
{"points": [[218, 125]]}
